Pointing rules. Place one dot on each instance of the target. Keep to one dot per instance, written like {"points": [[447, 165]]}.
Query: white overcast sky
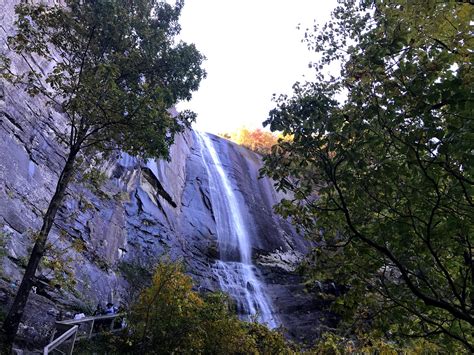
{"points": [[253, 49]]}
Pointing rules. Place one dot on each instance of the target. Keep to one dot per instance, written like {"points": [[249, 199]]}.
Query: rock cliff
{"points": [[112, 229]]}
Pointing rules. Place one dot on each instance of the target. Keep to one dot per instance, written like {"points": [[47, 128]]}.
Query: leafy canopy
{"points": [[115, 70], [169, 317], [381, 166]]}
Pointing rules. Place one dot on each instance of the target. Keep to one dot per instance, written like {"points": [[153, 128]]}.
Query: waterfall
{"points": [[236, 274]]}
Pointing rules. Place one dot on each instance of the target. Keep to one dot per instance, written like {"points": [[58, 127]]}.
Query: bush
{"points": [[169, 317], [332, 343]]}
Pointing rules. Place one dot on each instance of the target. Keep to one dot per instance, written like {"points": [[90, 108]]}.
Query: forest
{"points": [[374, 160]]}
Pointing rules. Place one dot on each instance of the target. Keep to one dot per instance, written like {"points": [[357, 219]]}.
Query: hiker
{"points": [[78, 316], [99, 311], [111, 309]]}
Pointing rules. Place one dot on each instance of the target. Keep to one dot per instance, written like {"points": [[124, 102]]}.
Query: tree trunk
{"points": [[12, 321]]}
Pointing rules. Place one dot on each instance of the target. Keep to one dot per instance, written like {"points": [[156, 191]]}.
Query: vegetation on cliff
{"points": [[381, 167], [378, 161], [116, 70], [257, 140], [170, 317]]}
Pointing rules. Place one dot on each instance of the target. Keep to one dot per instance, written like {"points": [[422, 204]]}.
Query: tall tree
{"points": [[116, 71], [381, 165]]}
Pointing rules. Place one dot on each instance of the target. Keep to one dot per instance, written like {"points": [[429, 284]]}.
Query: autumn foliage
{"points": [[257, 140], [169, 317]]}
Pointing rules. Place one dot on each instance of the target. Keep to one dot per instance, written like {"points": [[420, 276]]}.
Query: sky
{"points": [[253, 49]]}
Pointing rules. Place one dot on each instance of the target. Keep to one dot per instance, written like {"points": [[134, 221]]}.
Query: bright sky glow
{"points": [[253, 50]]}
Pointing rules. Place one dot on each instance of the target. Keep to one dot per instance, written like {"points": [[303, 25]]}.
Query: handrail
{"points": [[88, 319], [89, 322], [72, 326], [61, 339]]}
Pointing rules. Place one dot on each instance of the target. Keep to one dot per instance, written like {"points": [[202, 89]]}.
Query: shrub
{"points": [[169, 317]]}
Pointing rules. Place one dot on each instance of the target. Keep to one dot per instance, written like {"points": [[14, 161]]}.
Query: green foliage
{"points": [[266, 341], [138, 276], [331, 343], [10, 193], [166, 313], [383, 179], [4, 237], [115, 72], [95, 178], [218, 330], [117, 69], [105, 343], [169, 317], [135, 273], [58, 260], [23, 261]]}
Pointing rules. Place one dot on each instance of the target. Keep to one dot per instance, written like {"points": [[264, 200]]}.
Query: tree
{"points": [[116, 71], [257, 140], [165, 315], [170, 317], [381, 166]]}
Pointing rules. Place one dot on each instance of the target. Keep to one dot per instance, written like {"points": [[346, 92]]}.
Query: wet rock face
{"points": [[105, 234]]}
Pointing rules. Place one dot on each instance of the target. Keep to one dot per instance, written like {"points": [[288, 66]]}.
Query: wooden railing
{"points": [[69, 335], [86, 327], [90, 326]]}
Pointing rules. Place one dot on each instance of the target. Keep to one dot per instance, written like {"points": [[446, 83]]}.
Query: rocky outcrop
{"points": [[107, 233]]}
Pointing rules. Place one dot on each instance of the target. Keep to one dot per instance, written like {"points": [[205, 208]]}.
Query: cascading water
{"points": [[237, 276]]}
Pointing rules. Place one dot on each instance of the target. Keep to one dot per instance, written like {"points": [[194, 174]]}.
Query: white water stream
{"points": [[235, 271]]}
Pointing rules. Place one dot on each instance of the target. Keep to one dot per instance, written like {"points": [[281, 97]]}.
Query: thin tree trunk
{"points": [[12, 321]]}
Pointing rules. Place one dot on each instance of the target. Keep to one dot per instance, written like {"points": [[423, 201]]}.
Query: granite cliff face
{"points": [[107, 232]]}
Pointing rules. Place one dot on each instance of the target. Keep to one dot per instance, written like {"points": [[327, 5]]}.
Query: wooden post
{"points": [[92, 328]]}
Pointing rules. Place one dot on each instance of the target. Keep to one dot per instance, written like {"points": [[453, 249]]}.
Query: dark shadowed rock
{"points": [[144, 211]]}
